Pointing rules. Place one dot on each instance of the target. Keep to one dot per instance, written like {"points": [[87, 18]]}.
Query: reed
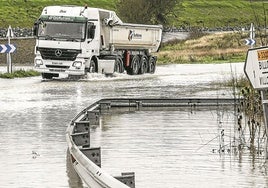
{"points": [[249, 129]]}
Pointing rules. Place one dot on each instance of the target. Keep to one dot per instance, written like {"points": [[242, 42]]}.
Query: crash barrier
{"points": [[87, 160]]}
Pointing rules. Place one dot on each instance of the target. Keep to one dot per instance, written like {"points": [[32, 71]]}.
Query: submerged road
{"points": [[35, 113]]}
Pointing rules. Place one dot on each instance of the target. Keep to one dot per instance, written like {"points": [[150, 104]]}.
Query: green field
{"points": [[201, 13], [220, 13], [23, 13]]}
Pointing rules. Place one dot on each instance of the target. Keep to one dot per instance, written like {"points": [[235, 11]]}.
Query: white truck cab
{"points": [[75, 40]]}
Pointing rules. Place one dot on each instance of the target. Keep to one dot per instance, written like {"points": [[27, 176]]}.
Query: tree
{"points": [[146, 11]]}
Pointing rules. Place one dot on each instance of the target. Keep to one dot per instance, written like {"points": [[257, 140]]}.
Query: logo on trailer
{"points": [[133, 35], [58, 52]]}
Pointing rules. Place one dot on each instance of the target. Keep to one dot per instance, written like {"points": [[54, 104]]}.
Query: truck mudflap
{"points": [[127, 58]]}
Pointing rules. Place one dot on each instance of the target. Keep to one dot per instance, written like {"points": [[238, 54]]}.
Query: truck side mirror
{"points": [[91, 31], [35, 29], [108, 21]]}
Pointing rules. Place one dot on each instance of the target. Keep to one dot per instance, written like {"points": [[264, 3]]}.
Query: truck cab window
{"points": [[60, 30], [91, 30]]}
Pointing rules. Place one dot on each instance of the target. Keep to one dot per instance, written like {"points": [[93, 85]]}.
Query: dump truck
{"points": [[77, 40]]}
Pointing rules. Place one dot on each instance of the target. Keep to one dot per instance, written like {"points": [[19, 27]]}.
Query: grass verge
{"points": [[20, 74], [221, 47]]}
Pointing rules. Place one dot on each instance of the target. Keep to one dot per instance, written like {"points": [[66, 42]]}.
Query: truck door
{"points": [[92, 40]]}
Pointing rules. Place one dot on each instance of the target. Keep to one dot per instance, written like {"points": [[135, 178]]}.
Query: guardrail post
{"points": [[105, 105], [81, 126], [81, 139], [138, 105], [93, 117], [127, 178], [94, 154]]}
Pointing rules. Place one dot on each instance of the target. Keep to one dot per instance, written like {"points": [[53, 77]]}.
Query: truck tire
{"points": [[143, 64], [118, 66], [134, 66], [92, 66], [152, 64]]}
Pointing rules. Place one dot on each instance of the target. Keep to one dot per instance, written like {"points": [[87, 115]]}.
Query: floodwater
{"points": [[165, 148]]}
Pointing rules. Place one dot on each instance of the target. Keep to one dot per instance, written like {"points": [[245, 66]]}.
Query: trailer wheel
{"points": [[143, 64], [135, 65], [92, 66], [118, 66], [152, 64]]}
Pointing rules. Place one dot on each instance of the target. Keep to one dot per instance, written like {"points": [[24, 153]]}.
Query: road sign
{"points": [[256, 67], [7, 48], [250, 42]]}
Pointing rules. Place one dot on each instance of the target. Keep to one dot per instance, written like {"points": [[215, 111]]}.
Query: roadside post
{"points": [[9, 63], [256, 70], [251, 41]]}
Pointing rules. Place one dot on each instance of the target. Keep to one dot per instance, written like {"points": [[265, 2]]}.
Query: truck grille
{"points": [[58, 66], [58, 54]]}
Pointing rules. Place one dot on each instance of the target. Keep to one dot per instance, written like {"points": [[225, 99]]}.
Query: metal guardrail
{"points": [[87, 160]]}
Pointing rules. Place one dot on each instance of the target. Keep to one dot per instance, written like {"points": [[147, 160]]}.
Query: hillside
{"points": [[23, 13], [219, 13], [201, 13]]}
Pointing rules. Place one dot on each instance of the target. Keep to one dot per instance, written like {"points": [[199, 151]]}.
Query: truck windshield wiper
{"points": [[73, 39], [68, 38], [48, 37]]}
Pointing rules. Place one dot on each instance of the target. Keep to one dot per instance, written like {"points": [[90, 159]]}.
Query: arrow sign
{"points": [[8, 48], [250, 42], [256, 67]]}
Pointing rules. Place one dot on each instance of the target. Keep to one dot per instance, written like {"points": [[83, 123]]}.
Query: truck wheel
{"points": [[143, 64], [135, 65], [92, 66], [118, 66], [152, 62]]}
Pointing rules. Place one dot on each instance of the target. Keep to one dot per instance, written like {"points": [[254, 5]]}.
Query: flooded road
{"points": [[163, 151]]}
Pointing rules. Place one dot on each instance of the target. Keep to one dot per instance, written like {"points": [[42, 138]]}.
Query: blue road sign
{"points": [[7, 48], [250, 42]]}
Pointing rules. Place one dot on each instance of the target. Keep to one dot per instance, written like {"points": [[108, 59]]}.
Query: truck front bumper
{"points": [[76, 68]]}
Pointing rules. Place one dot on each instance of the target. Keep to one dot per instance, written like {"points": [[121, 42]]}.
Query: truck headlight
{"points": [[38, 62], [77, 64]]}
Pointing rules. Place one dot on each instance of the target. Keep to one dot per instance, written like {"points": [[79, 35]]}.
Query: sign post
{"points": [[256, 70], [251, 41], [9, 63]]}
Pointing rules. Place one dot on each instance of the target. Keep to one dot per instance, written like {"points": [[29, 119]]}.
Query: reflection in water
{"points": [[73, 179]]}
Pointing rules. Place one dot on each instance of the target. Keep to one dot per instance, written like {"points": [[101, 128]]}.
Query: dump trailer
{"points": [[76, 40]]}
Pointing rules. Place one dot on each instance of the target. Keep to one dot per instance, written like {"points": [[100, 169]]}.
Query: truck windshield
{"points": [[69, 31]]}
